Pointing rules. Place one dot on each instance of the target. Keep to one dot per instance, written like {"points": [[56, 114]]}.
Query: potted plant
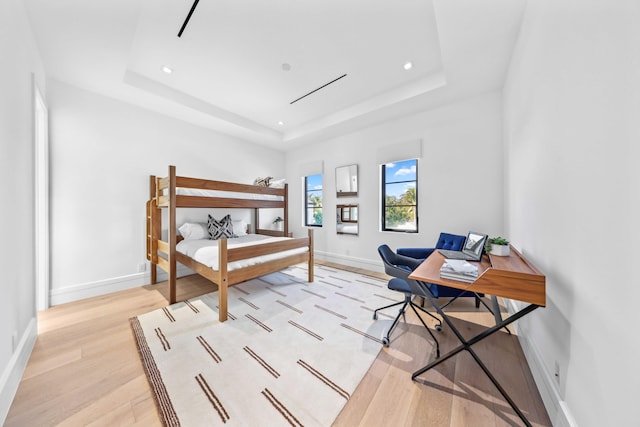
{"points": [[497, 246], [278, 222]]}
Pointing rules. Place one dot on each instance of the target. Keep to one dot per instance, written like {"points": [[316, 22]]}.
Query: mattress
{"points": [[205, 251], [226, 194]]}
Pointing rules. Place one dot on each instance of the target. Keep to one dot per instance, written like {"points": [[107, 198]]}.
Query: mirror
{"points": [[347, 181], [347, 219]]}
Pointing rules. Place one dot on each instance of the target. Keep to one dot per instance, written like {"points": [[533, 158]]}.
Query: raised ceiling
{"points": [[281, 72]]}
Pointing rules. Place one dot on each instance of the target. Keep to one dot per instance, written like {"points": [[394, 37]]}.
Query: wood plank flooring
{"points": [[85, 370]]}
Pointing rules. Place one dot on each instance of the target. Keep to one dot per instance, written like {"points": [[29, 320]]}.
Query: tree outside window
{"points": [[399, 195], [313, 208]]}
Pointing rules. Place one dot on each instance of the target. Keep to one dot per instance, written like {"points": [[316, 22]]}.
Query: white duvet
{"points": [[205, 251]]}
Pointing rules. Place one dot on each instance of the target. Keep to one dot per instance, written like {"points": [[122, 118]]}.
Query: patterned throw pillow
{"points": [[221, 228], [262, 182]]}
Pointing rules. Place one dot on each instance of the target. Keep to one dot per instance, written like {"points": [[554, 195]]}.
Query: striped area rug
{"points": [[291, 353]]}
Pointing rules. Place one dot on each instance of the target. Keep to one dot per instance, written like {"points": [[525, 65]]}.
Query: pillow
{"points": [[239, 228], [262, 182], [221, 228], [277, 183], [194, 231]]}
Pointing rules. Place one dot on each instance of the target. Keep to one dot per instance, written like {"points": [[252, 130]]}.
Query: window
{"points": [[399, 196], [313, 197]]}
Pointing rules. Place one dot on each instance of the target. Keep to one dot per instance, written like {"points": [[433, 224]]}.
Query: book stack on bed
{"points": [[457, 269]]}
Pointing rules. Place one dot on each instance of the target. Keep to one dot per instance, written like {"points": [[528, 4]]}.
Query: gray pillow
{"points": [[221, 228]]}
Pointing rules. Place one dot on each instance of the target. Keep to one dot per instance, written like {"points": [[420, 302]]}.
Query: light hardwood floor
{"points": [[85, 370]]}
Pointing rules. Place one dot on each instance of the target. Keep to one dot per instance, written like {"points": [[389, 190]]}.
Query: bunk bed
{"points": [[173, 192]]}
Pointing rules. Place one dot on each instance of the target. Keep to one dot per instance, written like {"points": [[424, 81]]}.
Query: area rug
{"points": [[291, 353]]}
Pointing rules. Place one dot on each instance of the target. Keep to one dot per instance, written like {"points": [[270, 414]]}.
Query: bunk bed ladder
{"points": [[153, 230]]}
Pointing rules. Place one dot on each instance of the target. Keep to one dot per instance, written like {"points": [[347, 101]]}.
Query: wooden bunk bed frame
{"points": [[163, 254]]}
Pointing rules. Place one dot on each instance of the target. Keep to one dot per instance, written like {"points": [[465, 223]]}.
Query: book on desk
{"points": [[457, 269]]}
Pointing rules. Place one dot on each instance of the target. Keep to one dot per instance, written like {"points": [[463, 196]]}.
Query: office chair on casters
{"points": [[400, 267]]}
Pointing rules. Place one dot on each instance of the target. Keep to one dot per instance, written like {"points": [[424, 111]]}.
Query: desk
{"points": [[511, 277]]}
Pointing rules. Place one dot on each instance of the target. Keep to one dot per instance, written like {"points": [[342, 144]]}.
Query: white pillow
{"points": [[239, 227], [194, 231], [277, 183]]}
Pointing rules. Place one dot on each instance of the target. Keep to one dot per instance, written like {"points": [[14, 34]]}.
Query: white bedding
{"points": [[227, 194], [205, 251]]}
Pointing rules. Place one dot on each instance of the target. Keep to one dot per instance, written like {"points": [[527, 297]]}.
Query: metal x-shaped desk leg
{"points": [[466, 345]]}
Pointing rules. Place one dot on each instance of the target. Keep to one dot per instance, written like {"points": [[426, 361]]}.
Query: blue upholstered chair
{"points": [[400, 267], [449, 241]]}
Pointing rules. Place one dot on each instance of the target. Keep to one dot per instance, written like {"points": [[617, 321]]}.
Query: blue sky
{"points": [[314, 182], [398, 172]]}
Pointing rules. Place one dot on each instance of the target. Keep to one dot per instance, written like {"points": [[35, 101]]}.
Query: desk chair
{"points": [[449, 241], [453, 242], [400, 267]]}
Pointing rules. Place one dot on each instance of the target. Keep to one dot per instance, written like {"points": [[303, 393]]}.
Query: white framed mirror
{"points": [[347, 181], [347, 219]]}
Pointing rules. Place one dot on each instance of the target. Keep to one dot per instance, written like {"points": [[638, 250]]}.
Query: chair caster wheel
{"points": [[385, 341], [439, 328], [375, 316]]}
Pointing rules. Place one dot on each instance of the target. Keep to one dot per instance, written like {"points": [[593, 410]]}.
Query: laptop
{"points": [[471, 250]]}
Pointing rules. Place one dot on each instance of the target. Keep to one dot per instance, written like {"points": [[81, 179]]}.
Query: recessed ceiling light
{"points": [[408, 65], [281, 123], [167, 69]]}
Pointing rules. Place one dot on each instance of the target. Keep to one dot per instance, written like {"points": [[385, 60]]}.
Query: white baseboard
{"points": [[107, 286], [558, 411], [350, 261], [100, 287], [11, 376], [103, 287]]}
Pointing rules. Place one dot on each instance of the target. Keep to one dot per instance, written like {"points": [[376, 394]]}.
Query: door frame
{"points": [[41, 183]]}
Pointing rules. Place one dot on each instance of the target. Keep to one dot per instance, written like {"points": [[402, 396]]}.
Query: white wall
{"points": [[460, 179], [572, 136], [20, 62], [102, 153]]}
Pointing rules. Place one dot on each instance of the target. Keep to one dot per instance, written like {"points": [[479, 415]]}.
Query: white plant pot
{"points": [[499, 250]]}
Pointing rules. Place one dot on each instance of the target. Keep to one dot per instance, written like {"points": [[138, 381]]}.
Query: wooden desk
{"points": [[511, 277]]}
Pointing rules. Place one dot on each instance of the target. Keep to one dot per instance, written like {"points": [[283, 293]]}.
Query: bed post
{"points": [[256, 220], [286, 210], [172, 234], [224, 279], [311, 263]]}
